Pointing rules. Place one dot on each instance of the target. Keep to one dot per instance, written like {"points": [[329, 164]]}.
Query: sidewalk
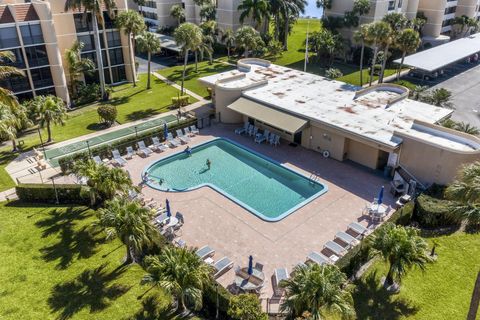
{"points": [[8, 195]]}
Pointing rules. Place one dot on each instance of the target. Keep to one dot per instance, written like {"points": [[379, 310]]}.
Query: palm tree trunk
{"points": [[389, 278], [98, 53], [401, 65], [132, 59], [148, 77], [285, 39], [92, 197], [14, 145], [185, 60], [374, 60], [228, 52], [49, 132], [277, 22], [196, 61], [362, 52], [129, 257], [246, 52], [181, 303], [384, 63]]}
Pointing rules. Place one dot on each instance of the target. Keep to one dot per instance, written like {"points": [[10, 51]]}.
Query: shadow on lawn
{"points": [[74, 241], [142, 114], [372, 301], [152, 310], [92, 289]]}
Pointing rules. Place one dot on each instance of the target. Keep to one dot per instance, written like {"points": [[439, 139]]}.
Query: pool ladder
{"points": [[313, 177]]}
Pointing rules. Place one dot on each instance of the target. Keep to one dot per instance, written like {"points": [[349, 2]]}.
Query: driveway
{"points": [[158, 62]]}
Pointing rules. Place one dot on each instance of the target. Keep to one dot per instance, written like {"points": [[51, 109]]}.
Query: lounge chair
{"points": [[244, 129], [188, 132], [263, 137], [180, 243], [194, 130], [172, 141], [277, 140], [182, 136], [280, 274], [38, 155], [221, 266], [130, 153], [253, 132], [134, 195], [337, 249], [157, 145], [358, 229], [142, 149], [205, 252], [345, 237], [271, 140], [318, 258], [97, 160], [118, 159]]}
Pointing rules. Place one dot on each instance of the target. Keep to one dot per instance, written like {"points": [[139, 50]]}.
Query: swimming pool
{"points": [[262, 186]]}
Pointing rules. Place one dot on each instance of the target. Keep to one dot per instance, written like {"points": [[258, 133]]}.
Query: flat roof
{"points": [[444, 55], [167, 42], [268, 115], [330, 102]]}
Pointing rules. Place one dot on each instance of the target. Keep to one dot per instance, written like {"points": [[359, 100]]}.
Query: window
{"points": [[92, 56], [447, 23], [36, 56], [391, 5], [116, 56], [16, 84], [118, 74], [450, 10], [83, 22], [150, 15], [24, 96], [18, 62], [106, 74], [41, 77], [108, 21], [400, 2], [8, 38], [150, 4], [113, 39], [31, 34], [46, 92], [88, 42]]}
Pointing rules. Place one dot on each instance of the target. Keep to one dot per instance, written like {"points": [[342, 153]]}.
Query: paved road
{"points": [[465, 88], [158, 63]]}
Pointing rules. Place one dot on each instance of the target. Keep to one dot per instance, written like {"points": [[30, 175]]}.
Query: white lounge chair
{"points": [[358, 229], [335, 248], [221, 266], [157, 145], [271, 140], [318, 258], [130, 153], [188, 132], [97, 160], [142, 149], [244, 129], [182, 136], [194, 130], [345, 237], [118, 159], [263, 137], [205, 252], [171, 141], [277, 140], [280, 274]]}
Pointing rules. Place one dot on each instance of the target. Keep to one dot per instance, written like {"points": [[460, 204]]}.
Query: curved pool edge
{"points": [[226, 194]]}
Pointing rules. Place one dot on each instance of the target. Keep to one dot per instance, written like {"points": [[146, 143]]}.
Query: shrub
{"points": [[45, 193], [431, 212], [275, 48], [180, 101], [210, 299], [108, 113], [88, 93], [333, 73], [403, 216], [246, 307]]}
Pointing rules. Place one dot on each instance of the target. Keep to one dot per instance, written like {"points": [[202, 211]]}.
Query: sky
{"points": [[312, 10]]}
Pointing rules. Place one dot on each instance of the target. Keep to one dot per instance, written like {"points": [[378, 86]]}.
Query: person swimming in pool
{"points": [[188, 151], [209, 163]]}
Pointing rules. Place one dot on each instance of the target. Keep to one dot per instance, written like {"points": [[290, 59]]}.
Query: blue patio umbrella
{"points": [[165, 130], [167, 206], [380, 195], [250, 265]]}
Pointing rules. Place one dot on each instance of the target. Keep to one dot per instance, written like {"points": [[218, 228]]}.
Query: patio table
{"points": [[248, 282], [378, 209]]}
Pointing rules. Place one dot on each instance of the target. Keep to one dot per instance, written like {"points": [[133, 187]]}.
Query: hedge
{"points": [[104, 150], [45, 193], [180, 101], [210, 300], [431, 212]]}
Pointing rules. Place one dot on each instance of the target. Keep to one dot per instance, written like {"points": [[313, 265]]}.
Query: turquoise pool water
{"points": [[260, 185]]}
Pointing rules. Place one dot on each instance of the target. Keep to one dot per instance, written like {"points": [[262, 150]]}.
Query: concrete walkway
{"points": [[173, 84], [8, 195]]}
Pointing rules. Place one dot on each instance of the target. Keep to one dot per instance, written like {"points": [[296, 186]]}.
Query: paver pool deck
{"points": [[214, 220]]}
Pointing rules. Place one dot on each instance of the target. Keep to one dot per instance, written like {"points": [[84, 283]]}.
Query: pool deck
{"points": [[212, 219]]}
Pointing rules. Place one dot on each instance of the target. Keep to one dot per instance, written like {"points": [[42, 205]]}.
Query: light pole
{"points": [[136, 133], [41, 142], [216, 292], [55, 188], [88, 147]]}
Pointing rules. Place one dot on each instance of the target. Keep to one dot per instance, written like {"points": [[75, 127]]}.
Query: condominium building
{"points": [[439, 13], [39, 33]]}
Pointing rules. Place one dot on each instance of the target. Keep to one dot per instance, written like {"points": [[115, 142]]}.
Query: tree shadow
{"points": [[74, 242], [152, 310], [97, 126], [142, 114], [373, 301], [92, 289]]}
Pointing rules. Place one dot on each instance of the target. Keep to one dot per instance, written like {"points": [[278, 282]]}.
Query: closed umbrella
{"points": [[167, 206], [165, 130], [250, 265], [380, 195]]}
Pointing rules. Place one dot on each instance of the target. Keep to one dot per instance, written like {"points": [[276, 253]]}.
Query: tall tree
{"points": [[324, 4], [291, 9], [257, 10], [12, 119], [407, 41], [130, 222], [77, 65], [177, 12], [316, 289], [48, 110], [228, 38], [378, 34], [189, 37], [94, 7], [131, 23], [467, 128], [180, 272], [149, 43], [402, 248], [439, 97], [465, 192], [6, 71], [361, 36], [247, 39]]}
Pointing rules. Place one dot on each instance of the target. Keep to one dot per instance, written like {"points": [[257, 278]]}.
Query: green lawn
{"points": [[204, 69], [443, 291], [57, 265]]}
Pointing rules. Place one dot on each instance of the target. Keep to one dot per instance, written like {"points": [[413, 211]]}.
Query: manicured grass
{"points": [[204, 69], [57, 265], [443, 291], [5, 157]]}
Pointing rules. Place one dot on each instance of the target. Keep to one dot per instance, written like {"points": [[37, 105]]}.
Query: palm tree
{"points": [[130, 222], [149, 43], [467, 128], [257, 10], [104, 182], [180, 272], [378, 34], [140, 3], [228, 38], [247, 39], [440, 97], [189, 37], [292, 8], [407, 41], [77, 65], [361, 36], [48, 110], [95, 8], [177, 12], [418, 92], [402, 248], [132, 24], [12, 119], [6, 71], [315, 289], [324, 4], [464, 191]]}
